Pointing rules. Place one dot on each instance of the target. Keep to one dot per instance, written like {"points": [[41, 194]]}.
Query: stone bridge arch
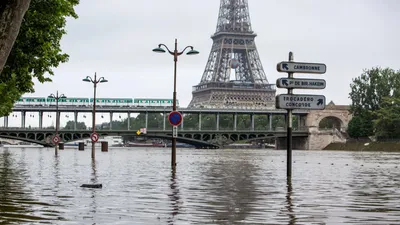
{"points": [[340, 113]]}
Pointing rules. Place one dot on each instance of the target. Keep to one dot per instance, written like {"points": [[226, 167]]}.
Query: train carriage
{"points": [[68, 102], [114, 102], [34, 101], [150, 102]]}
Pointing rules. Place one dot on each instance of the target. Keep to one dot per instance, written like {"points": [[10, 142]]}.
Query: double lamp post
{"points": [[95, 81], [57, 98], [175, 53]]}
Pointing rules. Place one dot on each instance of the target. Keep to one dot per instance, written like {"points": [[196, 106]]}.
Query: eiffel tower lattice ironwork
{"points": [[233, 55]]}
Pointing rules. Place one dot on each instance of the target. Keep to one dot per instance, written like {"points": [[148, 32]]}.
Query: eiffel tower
{"points": [[234, 76]]}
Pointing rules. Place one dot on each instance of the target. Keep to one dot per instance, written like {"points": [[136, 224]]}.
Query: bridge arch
{"points": [[337, 114]]}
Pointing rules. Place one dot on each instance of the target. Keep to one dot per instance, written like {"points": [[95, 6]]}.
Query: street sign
{"points": [[301, 83], [175, 118], [300, 67], [56, 139], [174, 131], [138, 132], [292, 101], [94, 137], [143, 130]]}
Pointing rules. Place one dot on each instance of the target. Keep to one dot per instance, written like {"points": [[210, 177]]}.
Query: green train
{"points": [[86, 102]]}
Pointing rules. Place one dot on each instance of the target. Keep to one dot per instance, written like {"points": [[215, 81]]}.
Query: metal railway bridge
{"points": [[199, 136]]}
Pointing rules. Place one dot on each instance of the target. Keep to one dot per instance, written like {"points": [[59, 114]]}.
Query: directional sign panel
{"points": [[300, 67], [287, 101], [301, 83]]}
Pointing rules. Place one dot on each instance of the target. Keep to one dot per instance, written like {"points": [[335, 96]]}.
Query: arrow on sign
{"points": [[285, 66], [284, 82], [320, 101]]}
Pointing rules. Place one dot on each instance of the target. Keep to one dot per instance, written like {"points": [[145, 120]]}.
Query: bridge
{"points": [[200, 139], [199, 126]]}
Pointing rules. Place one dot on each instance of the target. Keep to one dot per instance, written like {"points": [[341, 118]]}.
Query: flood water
{"points": [[208, 187]]}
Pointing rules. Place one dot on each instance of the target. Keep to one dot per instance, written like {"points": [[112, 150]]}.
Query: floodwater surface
{"points": [[208, 187]]}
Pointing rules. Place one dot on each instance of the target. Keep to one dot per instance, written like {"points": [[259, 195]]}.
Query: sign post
{"points": [[291, 101], [175, 119]]}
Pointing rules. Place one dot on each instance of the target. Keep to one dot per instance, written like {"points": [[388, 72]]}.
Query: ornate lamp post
{"points": [[57, 98], [95, 81], [175, 53]]}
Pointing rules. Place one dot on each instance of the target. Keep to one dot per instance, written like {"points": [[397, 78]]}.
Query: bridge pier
{"points": [[147, 119], [40, 120], [270, 121], [164, 119], [217, 122], [75, 120], [23, 115], [199, 121], [129, 121], [252, 122], [111, 119], [298, 143], [235, 121], [6, 121]]}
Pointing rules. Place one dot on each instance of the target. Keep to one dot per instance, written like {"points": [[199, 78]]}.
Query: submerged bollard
{"points": [[92, 185], [104, 146], [61, 146], [81, 146]]}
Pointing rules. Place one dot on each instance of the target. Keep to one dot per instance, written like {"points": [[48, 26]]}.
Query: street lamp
{"points": [[175, 53], [95, 81], [57, 98]]}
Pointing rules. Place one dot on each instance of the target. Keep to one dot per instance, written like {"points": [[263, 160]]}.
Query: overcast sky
{"points": [[115, 40]]}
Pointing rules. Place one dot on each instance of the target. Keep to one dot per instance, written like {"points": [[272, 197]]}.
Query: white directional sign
{"points": [[300, 83], [292, 101], [300, 67]]}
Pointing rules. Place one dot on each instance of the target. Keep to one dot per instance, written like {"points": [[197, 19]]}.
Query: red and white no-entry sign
{"points": [[56, 139], [94, 136]]}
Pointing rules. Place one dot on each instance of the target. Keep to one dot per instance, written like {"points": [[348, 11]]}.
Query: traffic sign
{"points": [[175, 118], [56, 139], [292, 101], [174, 131], [301, 83], [301, 67], [94, 137]]}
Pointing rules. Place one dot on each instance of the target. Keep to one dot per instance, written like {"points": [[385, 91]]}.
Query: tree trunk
{"points": [[11, 14]]}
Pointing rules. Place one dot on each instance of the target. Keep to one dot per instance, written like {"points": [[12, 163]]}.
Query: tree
{"points": [[387, 122], [71, 125], [368, 92], [11, 15], [369, 89], [36, 50]]}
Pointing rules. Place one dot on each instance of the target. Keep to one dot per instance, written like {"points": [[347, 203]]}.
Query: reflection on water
{"points": [[289, 204], [208, 187]]}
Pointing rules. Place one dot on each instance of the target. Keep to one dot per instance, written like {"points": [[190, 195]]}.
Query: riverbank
{"points": [[365, 146]]}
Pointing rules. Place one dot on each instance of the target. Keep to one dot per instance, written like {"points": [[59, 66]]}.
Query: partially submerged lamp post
{"points": [[95, 81], [175, 53], [56, 98]]}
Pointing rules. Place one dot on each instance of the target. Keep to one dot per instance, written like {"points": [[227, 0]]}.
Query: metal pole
{"points": [[57, 118], [94, 114], [289, 129], [173, 146]]}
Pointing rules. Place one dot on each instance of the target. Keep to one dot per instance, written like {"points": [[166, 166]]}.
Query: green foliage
{"points": [[387, 122], [370, 94], [36, 50], [71, 125], [369, 89]]}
